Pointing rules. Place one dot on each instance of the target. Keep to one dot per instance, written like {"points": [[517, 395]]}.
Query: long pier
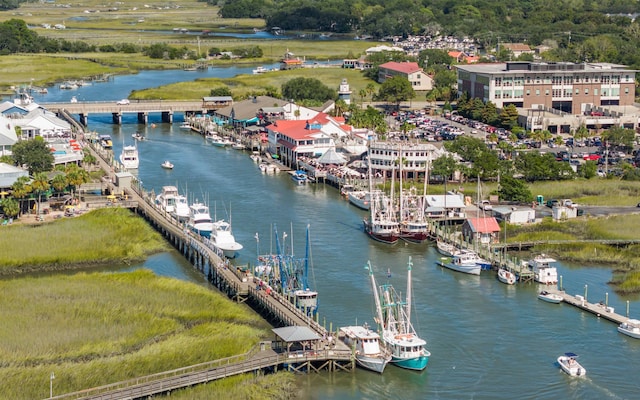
{"points": [[326, 352], [600, 310]]}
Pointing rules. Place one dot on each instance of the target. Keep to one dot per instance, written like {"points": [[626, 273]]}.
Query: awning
{"points": [[295, 334]]}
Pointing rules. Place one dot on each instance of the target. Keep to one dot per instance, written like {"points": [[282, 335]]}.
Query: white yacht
{"points": [[200, 219], [181, 211], [166, 200], [129, 157], [543, 272], [222, 238]]}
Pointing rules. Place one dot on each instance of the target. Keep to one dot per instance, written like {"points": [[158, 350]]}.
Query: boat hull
{"points": [[414, 237], [466, 269], [375, 364], [506, 277], [631, 329], [388, 237], [360, 199], [415, 363], [550, 297], [572, 368]]}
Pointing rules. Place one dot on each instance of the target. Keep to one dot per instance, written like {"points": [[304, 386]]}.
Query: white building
{"points": [[515, 214], [419, 79]]}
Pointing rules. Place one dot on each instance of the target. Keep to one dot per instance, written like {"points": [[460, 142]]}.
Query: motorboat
{"points": [[346, 188], [630, 328], [569, 364], [181, 210], [446, 249], [237, 145], [507, 277], [129, 157], [260, 70], [543, 272], [138, 136], [222, 238], [166, 200], [299, 177], [218, 141], [185, 125], [366, 346], [550, 297], [360, 199], [166, 164], [105, 141], [463, 261], [255, 156], [393, 315], [74, 99], [200, 220]]}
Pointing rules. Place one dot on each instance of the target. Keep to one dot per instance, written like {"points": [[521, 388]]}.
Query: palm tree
{"points": [[371, 88], [60, 182], [76, 176], [341, 107], [20, 189], [40, 185], [10, 207]]}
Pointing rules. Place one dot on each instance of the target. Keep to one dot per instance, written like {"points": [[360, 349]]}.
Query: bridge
{"points": [[140, 107]]}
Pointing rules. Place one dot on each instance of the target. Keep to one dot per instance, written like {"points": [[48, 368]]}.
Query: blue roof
{"points": [[571, 355]]}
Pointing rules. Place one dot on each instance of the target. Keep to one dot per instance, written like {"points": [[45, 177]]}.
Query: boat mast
{"points": [[401, 204], [408, 321], [305, 279], [375, 295]]}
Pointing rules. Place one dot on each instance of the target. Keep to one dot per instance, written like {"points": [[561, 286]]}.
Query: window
{"points": [[537, 92], [626, 90], [528, 92], [546, 92], [586, 91], [595, 92], [577, 91]]}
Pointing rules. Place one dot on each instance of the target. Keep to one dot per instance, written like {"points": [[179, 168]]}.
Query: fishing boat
{"points": [[138, 136], [550, 297], [200, 220], [445, 248], [217, 141], [289, 274], [299, 177], [222, 238], [630, 328], [366, 346], [166, 164], [381, 224], [393, 316], [543, 272], [507, 277], [569, 364], [414, 227], [129, 157], [463, 261]]}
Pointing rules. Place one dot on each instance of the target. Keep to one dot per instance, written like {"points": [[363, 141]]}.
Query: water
{"points": [[488, 340]]}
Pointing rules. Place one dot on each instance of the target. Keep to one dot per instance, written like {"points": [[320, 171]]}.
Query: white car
{"points": [[123, 102]]}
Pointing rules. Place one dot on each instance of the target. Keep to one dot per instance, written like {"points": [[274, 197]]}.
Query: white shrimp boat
{"points": [[366, 346]]}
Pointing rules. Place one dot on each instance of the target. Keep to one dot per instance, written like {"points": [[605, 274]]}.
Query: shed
{"points": [[123, 180], [515, 214], [481, 230]]}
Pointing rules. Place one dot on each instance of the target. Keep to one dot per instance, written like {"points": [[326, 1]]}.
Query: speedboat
{"points": [[299, 177], [506, 276], [218, 141], [360, 199], [446, 249], [185, 125], [129, 157], [255, 156], [260, 70], [543, 272], [138, 136], [366, 346], [200, 220], [463, 261], [630, 328], [569, 364], [550, 297], [167, 164], [105, 141], [222, 238]]}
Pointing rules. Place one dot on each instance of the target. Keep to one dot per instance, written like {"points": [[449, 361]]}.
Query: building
{"points": [[8, 136], [410, 70], [555, 96], [515, 214], [344, 92], [384, 157], [9, 174], [290, 140], [517, 49], [481, 230]]}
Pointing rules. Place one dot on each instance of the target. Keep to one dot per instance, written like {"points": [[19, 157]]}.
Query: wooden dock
{"points": [[600, 310]]}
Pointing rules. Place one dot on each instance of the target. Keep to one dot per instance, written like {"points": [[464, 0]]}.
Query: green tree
{"points": [[396, 90], [76, 176], [619, 137], [35, 154], [509, 116], [21, 189], [444, 167], [7, 159], [299, 89], [220, 91], [10, 207], [588, 170], [535, 166], [59, 182], [512, 189]]}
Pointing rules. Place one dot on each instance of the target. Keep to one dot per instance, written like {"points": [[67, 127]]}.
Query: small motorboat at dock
{"points": [[550, 297], [630, 328]]}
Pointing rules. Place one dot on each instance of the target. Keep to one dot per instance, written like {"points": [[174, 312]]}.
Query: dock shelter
{"points": [[295, 338]]}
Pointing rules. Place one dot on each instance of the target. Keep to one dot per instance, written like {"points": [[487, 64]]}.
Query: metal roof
{"points": [[295, 334]]}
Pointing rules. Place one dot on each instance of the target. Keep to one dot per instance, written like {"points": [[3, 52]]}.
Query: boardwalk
{"points": [[600, 310]]}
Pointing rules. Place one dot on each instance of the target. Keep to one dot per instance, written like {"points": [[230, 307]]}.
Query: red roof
{"points": [[295, 129], [404, 67], [484, 225]]}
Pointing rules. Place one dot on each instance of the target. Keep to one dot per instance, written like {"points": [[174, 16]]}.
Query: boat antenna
{"points": [[379, 318], [409, 265]]}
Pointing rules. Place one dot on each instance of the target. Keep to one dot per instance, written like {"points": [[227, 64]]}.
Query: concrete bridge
{"points": [[142, 108]]}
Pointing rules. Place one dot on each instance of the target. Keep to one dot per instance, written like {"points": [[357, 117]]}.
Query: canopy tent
{"points": [[332, 157]]}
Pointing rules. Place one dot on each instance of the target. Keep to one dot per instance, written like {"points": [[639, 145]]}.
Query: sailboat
{"points": [[393, 316], [381, 224], [289, 274]]}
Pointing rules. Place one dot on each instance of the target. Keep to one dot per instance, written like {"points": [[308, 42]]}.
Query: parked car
{"points": [[123, 102], [552, 203], [486, 205]]}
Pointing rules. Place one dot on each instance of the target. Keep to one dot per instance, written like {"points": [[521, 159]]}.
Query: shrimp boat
{"points": [[394, 320], [366, 346]]}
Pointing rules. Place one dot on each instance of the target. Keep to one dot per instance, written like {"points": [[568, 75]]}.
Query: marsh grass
{"points": [[243, 85], [105, 235], [279, 386], [100, 328]]}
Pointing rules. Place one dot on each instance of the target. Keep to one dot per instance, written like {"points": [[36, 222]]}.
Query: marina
{"points": [[485, 315]]}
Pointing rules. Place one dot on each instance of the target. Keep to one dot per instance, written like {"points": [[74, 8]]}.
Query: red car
{"points": [[591, 157]]}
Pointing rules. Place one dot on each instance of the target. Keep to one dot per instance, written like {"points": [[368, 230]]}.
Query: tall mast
{"points": [[408, 322], [375, 295]]}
